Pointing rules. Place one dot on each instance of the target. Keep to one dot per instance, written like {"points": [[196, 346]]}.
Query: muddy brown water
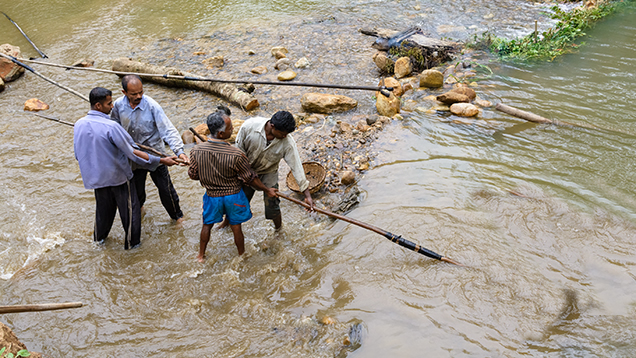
{"points": [[542, 216]]}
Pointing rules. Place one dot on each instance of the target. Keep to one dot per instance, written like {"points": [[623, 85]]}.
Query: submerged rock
{"points": [[287, 75], [431, 79], [303, 63], [259, 70], [216, 61], [452, 97], [468, 92], [464, 109], [35, 105]]}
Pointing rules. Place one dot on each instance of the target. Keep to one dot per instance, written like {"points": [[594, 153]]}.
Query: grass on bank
{"points": [[553, 42]]}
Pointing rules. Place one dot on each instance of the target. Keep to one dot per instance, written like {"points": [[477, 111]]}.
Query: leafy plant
{"points": [[551, 43], [21, 353]]}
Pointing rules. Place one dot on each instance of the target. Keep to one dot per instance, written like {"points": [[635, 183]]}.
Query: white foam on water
{"points": [[37, 247]]}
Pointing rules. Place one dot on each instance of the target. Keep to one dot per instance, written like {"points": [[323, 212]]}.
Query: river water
{"points": [[542, 216]]}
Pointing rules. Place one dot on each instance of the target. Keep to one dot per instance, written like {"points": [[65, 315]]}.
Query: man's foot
{"points": [[179, 222], [143, 211], [201, 258]]}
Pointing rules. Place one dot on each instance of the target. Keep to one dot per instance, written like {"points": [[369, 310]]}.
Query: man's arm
{"points": [[168, 132], [169, 161], [258, 184], [249, 177], [122, 140], [292, 158], [193, 171]]}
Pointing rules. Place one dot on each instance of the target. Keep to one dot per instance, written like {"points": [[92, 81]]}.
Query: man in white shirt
{"points": [[266, 142]]}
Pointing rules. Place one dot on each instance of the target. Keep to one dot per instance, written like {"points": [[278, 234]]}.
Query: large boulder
{"points": [[403, 67], [467, 91], [326, 103], [9, 71], [431, 79], [387, 106]]}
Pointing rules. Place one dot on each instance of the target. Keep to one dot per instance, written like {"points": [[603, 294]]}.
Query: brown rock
{"points": [[452, 97], [403, 67], [287, 75], [282, 64], [384, 63], [464, 109], [326, 103], [362, 126], [236, 124], [280, 49], [279, 55], [407, 87], [468, 92], [393, 83], [9, 71], [216, 61], [259, 70], [203, 131], [35, 105], [387, 106], [348, 177], [483, 103], [9, 341], [315, 118], [431, 79], [187, 137], [84, 62]]}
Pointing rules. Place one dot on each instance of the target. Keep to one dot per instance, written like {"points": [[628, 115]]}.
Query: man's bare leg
{"points": [[278, 221], [224, 224], [239, 239], [205, 238]]}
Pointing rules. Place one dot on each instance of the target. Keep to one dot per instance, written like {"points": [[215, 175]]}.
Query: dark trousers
{"points": [[108, 200], [167, 194]]}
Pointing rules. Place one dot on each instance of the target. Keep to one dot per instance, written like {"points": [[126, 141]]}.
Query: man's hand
{"points": [[184, 159], [169, 161], [309, 200], [272, 192]]}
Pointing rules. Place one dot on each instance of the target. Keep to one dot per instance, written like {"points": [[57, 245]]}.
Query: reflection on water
{"points": [[543, 216]]}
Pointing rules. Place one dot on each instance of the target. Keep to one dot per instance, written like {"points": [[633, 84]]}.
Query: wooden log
{"points": [[531, 117], [39, 307], [226, 91]]}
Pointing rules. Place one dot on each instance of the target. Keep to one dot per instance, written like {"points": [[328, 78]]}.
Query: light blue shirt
{"points": [[102, 149], [147, 124]]}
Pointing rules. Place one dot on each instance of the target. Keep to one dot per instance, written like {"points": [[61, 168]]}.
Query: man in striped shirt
{"points": [[222, 170]]}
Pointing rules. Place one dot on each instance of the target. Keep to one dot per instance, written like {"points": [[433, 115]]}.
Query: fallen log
{"points": [[226, 91], [531, 117]]}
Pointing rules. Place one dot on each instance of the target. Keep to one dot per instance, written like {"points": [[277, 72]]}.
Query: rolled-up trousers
{"points": [[108, 201]]}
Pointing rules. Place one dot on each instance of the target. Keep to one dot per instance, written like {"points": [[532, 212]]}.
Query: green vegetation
{"points": [[421, 58], [21, 353], [554, 42]]}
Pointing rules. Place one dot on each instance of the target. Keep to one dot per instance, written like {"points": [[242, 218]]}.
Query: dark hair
{"points": [[127, 79], [223, 108], [216, 122], [283, 121], [98, 94]]}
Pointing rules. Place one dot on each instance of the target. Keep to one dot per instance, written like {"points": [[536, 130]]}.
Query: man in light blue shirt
{"points": [[102, 149], [147, 124]]}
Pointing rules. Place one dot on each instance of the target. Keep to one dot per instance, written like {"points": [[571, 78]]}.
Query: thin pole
{"points": [[141, 146], [39, 307], [392, 237], [27, 37], [197, 134], [14, 60], [190, 78]]}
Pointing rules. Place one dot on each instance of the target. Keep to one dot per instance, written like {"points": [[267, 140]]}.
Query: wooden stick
{"points": [[538, 119], [141, 146], [393, 238], [39, 307], [27, 37], [197, 134], [14, 60], [197, 78]]}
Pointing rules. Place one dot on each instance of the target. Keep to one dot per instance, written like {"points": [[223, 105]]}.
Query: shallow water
{"points": [[543, 216]]}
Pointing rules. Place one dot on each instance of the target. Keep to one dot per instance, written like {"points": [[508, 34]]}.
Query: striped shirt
{"points": [[220, 167]]}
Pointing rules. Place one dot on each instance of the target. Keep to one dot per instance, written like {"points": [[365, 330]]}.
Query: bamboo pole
{"points": [[39, 307], [27, 37], [14, 60], [197, 134], [392, 237], [141, 146]]}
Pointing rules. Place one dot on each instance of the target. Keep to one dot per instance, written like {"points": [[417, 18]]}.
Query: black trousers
{"points": [[108, 200], [167, 193]]}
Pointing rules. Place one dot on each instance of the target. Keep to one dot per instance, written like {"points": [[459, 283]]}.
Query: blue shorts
{"points": [[236, 207]]}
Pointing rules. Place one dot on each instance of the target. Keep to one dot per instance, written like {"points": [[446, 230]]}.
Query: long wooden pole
{"points": [[141, 146], [39, 307], [392, 237], [14, 60], [27, 37], [192, 78]]}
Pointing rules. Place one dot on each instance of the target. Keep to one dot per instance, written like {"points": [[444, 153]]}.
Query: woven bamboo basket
{"points": [[315, 173]]}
